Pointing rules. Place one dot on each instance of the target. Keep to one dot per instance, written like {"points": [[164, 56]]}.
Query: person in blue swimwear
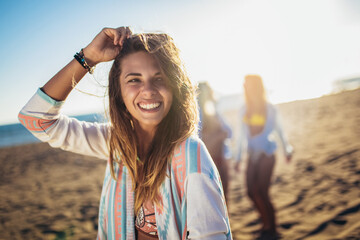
{"points": [[259, 124]]}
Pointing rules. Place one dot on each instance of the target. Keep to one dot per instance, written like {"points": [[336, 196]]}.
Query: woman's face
{"points": [[145, 90]]}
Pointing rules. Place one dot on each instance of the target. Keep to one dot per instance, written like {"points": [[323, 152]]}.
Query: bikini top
{"points": [[255, 120], [145, 224]]}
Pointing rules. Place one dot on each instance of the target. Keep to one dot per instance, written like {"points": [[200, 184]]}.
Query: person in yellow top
{"points": [[255, 120], [259, 123]]}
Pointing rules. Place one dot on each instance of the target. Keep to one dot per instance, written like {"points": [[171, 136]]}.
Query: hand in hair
{"points": [[106, 45]]}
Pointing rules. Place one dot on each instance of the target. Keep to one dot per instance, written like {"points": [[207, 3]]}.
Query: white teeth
{"points": [[149, 106]]}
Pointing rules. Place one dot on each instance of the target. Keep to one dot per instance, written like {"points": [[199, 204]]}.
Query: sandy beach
{"points": [[48, 193]]}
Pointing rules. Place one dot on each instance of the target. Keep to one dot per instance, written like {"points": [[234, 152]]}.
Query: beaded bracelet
{"points": [[80, 57]]}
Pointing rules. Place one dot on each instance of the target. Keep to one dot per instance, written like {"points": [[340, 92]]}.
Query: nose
{"points": [[148, 89]]}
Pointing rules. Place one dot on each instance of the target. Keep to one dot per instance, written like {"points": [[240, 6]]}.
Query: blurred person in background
{"points": [[259, 122], [215, 132]]}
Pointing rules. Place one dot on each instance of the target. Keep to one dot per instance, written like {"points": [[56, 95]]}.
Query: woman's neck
{"points": [[145, 138]]}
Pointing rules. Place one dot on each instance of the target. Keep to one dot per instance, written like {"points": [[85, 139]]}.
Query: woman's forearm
{"points": [[59, 86]]}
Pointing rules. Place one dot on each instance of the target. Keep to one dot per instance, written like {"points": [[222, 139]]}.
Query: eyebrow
{"points": [[133, 74], [139, 74]]}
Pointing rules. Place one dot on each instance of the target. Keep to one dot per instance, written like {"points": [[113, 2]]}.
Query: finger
{"points": [[116, 38], [117, 35], [123, 35], [112, 34]]}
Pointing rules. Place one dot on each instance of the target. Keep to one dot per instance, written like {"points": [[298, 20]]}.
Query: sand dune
{"points": [[51, 194]]}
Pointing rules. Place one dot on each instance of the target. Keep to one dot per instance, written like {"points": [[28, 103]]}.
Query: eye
{"points": [[160, 80], [133, 80]]}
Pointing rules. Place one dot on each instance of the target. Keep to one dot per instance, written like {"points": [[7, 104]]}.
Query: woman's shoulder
{"points": [[269, 105], [198, 159], [271, 108], [193, 143], [189, 145]]}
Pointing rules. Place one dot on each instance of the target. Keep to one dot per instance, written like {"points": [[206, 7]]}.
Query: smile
{"points": [[149, 106]]}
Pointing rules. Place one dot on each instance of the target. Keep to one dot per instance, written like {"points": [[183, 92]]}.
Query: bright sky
{"points": [[299, 47]]}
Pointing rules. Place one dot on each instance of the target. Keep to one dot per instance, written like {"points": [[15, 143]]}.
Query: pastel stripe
{"points": [[175, 201], [184, 235], [175, 209], [35, 124], [110, 217], [130, 224], [192, 155], [177, 185], [48, 99], [107, 202], [183, 220], [123, 207], [198, 158], [118, 205], [179, 168]]}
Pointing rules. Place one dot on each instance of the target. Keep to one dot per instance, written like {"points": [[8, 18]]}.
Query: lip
{"points": [[149, 106]]}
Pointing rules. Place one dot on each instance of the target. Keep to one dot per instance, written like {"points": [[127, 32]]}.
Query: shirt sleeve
{"points": [[41, 116], [207, 214]]}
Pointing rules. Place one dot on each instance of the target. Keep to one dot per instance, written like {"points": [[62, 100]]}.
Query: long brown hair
{"points": [[255, 95], [181, 121]]}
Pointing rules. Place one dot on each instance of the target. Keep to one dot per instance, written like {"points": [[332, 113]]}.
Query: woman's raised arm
{"points": [[104, 47], [41, 115]]}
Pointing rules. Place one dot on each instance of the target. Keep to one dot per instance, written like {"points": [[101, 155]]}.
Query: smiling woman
{"points": [[160, 181], [145, 90]]}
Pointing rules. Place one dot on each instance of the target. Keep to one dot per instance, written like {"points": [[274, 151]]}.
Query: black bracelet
{"points": [[81, 59]]}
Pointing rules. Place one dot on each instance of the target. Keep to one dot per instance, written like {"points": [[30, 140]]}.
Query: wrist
{"points": [[80, 57], [90, 56]]}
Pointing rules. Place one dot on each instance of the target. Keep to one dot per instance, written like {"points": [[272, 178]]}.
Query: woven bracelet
{"points": [[80, 57]]}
